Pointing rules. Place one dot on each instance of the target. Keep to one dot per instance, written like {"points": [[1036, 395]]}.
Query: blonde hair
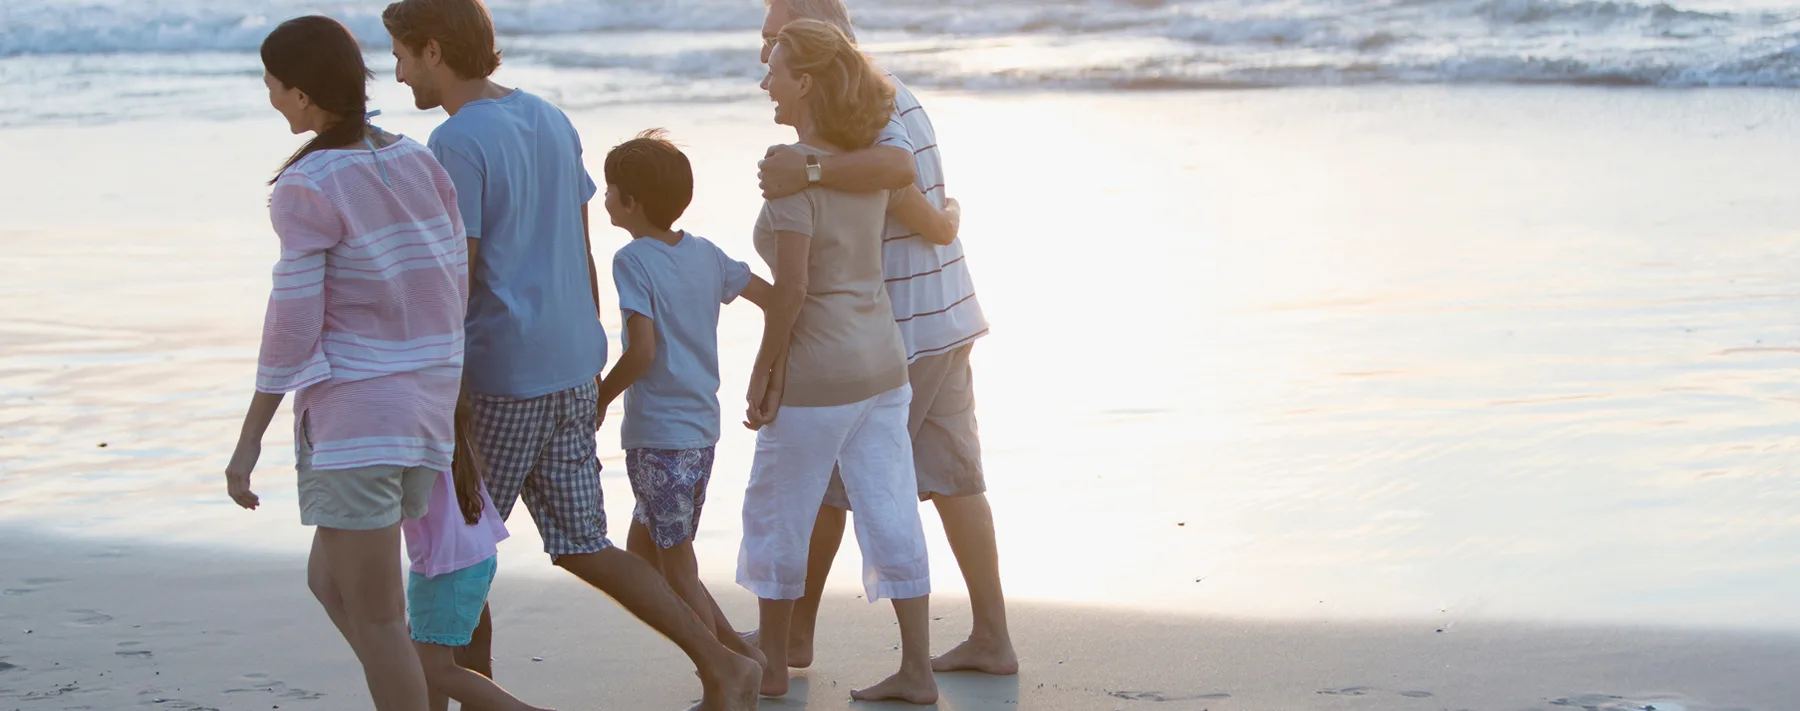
{"points": [[851, 100], [830, 12]]}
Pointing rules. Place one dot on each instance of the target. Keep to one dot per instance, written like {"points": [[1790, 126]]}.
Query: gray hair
{"points": [[830, 12]]}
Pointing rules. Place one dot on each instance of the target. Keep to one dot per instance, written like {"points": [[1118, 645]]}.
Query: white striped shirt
{"points": [[929, 285]]}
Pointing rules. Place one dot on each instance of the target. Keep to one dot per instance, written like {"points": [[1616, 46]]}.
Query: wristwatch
{"points": [[812, 168]]}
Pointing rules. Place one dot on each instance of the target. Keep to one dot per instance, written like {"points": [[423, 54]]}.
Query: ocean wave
{"points": [[1199, 43]]}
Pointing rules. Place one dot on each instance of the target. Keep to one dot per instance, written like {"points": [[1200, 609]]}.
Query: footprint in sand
{"points": [[1166, 696], [90, 618], [263, 684], [127, 651], [45, 581], [15, 592], [1367, 690], [1607, 702]]}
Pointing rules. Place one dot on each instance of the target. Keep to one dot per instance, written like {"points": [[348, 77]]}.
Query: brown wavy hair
{"points": [[463, 29], [851, 100]]}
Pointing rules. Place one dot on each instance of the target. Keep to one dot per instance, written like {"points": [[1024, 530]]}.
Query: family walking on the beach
{"points": [[436, 310]]}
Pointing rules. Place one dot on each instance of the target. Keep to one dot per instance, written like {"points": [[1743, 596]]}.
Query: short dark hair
{"points": [[653, 172], [463, 29]]}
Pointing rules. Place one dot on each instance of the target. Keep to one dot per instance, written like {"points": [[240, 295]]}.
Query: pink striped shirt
{"points": [[366, 315]]}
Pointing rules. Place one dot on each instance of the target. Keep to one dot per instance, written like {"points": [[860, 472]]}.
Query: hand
{"points": [[953, 211], [781, 172], [237, 475], [600, 406], [764, 401]]}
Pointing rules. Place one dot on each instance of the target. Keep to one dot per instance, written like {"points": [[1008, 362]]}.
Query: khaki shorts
{"points": [[359, 499], [946, 443]]}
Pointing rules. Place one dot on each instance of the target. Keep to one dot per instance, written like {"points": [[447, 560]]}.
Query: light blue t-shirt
{"points": [[532, 327], [675, 404]]}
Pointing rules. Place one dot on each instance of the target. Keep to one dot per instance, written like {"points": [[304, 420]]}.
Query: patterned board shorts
{"points": [[670, 485], [542, 449]]}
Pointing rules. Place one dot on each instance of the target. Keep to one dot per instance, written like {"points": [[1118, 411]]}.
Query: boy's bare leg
{"points": [[474, 691], [728, 681], [827, 537], [478, 655], [683, 575], [773, 618], [969, 525], [640, 543], [914, 682]]}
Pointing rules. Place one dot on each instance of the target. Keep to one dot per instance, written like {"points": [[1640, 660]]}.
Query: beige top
{"points": [[845, 346]]}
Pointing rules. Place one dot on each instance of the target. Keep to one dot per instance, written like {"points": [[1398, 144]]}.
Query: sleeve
{"points": [[634, 287], [733, 275], [895, 134], [293, 343], [470, 181], [588, 188], [793, 213]]}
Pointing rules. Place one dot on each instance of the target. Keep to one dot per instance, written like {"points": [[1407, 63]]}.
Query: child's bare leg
{"points": [[639, 541], [914, 682], [474, 691], [827, 536], [363, 566], [773, 617], [969, 525], [478, 655], [683, 574]]}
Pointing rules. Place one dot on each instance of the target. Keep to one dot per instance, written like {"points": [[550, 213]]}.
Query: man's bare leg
{"points": [[728, 681], [827, 537], [969, 525], [914, 682]]}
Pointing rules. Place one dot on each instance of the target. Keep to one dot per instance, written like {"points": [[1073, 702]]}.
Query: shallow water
{"points": [[1423, 353]]}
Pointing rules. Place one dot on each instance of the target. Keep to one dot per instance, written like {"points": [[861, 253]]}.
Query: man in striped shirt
{"points": [[939, 318]]}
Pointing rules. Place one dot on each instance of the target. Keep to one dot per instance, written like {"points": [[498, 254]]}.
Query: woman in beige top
{"points": [[829, 387]]}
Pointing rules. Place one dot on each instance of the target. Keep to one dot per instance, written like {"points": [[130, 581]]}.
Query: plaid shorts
{"points": [[670, 485], [543, 449]]}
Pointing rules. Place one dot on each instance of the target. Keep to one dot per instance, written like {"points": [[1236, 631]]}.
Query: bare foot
{"points": [[979, 655], [800, 648], [911, 687], [745, 645], [774, 681], [734, 690]]}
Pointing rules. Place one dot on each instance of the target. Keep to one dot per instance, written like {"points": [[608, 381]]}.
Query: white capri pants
{"points": [[868, 442]]}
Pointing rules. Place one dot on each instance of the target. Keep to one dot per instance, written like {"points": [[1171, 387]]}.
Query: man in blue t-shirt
{"points": [[535, 344]]}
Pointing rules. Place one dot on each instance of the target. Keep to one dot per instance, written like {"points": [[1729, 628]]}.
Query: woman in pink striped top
{"points": [[365, 323]]}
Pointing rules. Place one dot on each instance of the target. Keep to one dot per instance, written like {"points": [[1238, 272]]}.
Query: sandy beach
{"points": [[115, 625], [1282, 383]]}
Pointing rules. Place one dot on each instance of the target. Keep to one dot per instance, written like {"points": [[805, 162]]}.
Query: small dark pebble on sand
{"points": [[103, 446], [1181, 523], [1440, 630]]}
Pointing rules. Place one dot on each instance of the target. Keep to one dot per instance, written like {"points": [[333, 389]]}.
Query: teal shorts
{"points": [[445, 609]]}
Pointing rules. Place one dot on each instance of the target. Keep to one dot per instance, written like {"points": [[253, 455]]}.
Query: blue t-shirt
{"points": [[532, 327], [675, 404]]}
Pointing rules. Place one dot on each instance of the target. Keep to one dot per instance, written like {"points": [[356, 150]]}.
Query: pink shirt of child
{"points": [[442, 542]]}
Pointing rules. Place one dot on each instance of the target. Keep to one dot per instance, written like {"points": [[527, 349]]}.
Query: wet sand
{"points": [[101, 624]]}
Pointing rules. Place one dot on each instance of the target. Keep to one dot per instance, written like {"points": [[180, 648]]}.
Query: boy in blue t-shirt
{"points": [[671, 285]]}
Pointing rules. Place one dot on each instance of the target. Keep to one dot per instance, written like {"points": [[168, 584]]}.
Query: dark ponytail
{"points": [[465, 467], [319, 56]]}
